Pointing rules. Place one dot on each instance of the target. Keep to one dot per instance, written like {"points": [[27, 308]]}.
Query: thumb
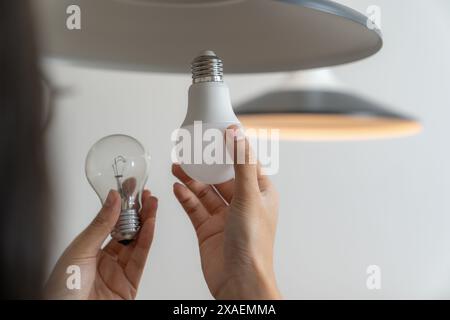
{"points": [[92, 238], [245, 164]]}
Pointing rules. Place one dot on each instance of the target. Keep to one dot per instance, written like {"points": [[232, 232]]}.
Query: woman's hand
{"points": [[235, 224], [113, 272]]}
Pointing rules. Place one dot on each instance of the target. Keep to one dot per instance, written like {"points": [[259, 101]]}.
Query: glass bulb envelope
{"points": [[119, 162]]}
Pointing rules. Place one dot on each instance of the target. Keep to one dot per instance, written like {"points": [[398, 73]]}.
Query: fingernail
{"points": [[109, 199]]}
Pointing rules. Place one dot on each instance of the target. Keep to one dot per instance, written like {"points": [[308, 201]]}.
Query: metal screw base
{"points": [[127, 227], [207, 67]]}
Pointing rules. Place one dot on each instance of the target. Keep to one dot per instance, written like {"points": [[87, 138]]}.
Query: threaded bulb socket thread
{"points": [[127, 226], [207, 67]]}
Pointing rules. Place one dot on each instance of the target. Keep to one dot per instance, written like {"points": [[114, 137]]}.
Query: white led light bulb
{"points": [[209, 107]]}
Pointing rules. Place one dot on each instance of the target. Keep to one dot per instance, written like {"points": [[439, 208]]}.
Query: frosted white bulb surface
{"points": [[119, 162], [209, 173], [209, 107]]}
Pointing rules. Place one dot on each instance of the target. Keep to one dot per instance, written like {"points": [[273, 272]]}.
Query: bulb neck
{"points": [[209, 102]]}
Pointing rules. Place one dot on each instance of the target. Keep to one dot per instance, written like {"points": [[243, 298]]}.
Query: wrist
{"points": [[254, 287]]}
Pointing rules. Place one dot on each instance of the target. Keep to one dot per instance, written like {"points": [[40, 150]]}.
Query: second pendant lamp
{"points": [[313, 105]]}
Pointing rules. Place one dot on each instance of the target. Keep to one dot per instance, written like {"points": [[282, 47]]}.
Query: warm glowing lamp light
{"points": [[314, 106]]}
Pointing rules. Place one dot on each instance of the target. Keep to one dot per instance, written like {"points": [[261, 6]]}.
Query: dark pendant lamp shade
{"points": [[324, 115], [251, 36]]}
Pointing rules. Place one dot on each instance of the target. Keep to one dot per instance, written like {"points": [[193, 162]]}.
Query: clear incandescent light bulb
{"points": [[119, 162], [209, 107]]}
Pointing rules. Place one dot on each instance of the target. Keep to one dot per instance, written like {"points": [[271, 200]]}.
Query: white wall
{"points": [[344, 206]]}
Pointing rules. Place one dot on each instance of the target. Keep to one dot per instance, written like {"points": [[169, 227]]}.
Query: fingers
{"points": [[113, 248], [191, 205], [245, 167], [122, 253], [149, 206], [92, 238], [226, 190], [205, 193], [137, 256], [264, 182]]}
